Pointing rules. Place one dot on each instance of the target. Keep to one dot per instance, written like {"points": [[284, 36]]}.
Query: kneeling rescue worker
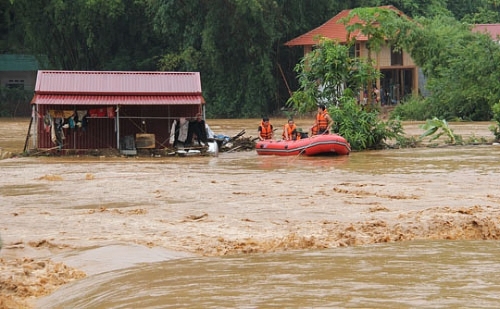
{"points": [[290, 132]]}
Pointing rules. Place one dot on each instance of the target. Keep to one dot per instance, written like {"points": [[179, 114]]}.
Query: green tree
{"points": [[13, 102], [231, 43], [88, 35], [4, 26], [238, 48], [236, 45], [461, 66], [379, 26], [485, 12], [495, 129], [328, 73], [322, 73], [462, 8]]}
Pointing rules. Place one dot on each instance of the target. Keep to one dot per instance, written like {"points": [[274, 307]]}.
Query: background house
{"points": [[18, 71], [400, 74], [492, 29], [111, 110], [17, 82]]}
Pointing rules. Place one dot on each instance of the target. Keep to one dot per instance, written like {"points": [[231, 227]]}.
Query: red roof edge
{"points": [[333, 29]]}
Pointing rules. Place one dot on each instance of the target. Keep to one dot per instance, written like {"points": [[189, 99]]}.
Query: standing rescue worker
{"points": [[323, 123], [265, 129]]}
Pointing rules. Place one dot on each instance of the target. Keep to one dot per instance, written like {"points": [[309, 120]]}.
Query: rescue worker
{"points": [[290, 131], [265, 129], [313, 130], [323, 123]]}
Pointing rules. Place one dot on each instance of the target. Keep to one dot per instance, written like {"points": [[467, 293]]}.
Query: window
{"points": [[355, 51], [15, 83], [396, 57]]}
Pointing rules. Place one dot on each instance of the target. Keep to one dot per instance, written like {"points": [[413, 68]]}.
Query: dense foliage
{"points": [[236, 45], [363, 128], [495, 129], [13, 101], [461, 66], [328, 73], [330, 76]]}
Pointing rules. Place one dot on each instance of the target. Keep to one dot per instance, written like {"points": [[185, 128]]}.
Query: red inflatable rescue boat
{"points": [[309, 146]]}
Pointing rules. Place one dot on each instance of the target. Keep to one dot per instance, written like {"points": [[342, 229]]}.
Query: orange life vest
{"points": [[321, 121], [314, 130], [266, 132], [291, 130]]}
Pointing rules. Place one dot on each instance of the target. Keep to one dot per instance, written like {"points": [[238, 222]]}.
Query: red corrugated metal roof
{"points": [[492, 29], [118, 82], [68, 99], [117, 87], [333, 29]]}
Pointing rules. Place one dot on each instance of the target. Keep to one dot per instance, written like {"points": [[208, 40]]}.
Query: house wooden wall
{"points": [[383, 58], [100, 133]]}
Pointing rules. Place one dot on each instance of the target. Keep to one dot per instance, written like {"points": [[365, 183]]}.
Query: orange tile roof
{"points": [[333, 29]]}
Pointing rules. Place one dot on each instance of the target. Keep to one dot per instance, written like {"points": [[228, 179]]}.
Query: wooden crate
{"points": [[144, 140]]}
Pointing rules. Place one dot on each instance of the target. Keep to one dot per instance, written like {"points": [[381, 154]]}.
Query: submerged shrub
{"points": [[413, 109], [363, 129]]}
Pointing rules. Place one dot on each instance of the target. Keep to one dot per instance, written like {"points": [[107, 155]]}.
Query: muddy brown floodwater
{"points": [[64, 218]]}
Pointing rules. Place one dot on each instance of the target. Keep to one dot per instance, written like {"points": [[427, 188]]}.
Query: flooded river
{"points": [[399, 228], [420, 274]]}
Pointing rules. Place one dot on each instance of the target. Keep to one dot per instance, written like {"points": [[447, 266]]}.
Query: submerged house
{"points": [[400, 74], [77, 111]]}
